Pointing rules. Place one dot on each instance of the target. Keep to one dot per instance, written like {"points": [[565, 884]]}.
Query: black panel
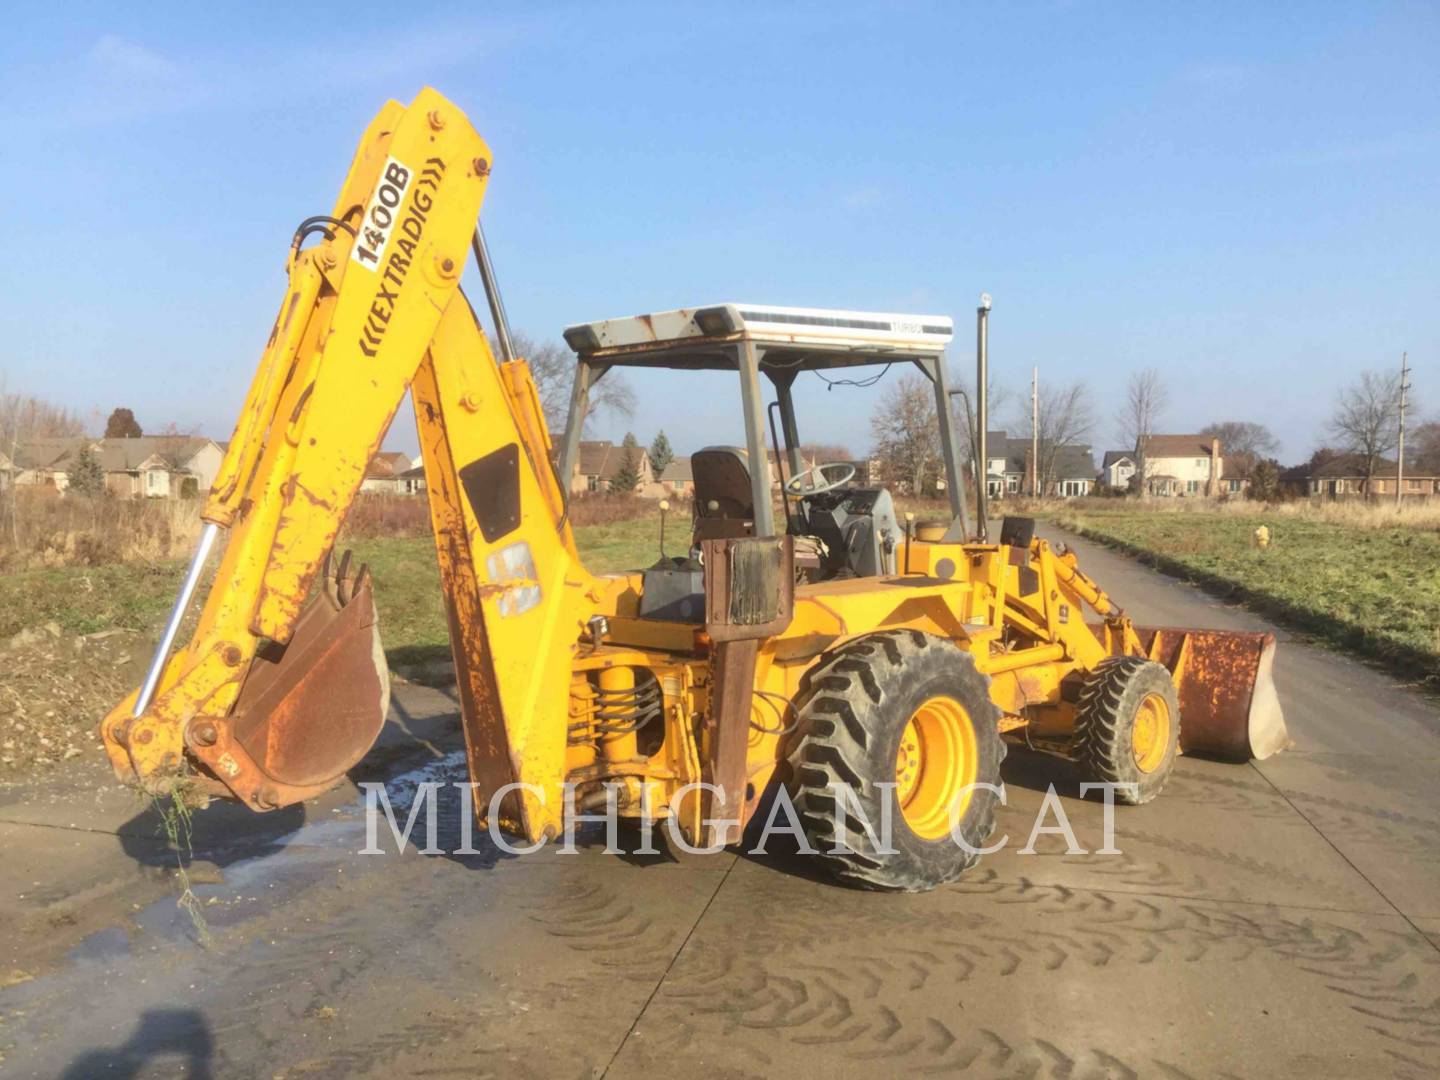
{"points": [[492, 484], [1017, 531]]}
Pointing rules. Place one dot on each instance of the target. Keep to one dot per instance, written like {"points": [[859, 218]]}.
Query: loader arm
{"points": [[282, 686]]}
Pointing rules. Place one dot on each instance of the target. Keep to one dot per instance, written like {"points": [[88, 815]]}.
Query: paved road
{"points": [[1280, 919]]}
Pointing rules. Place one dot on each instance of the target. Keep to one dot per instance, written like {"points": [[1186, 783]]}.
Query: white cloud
{"points": [[116, 56]]}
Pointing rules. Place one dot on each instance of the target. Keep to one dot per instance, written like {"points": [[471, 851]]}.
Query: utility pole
{"points": [[1400, 451], [1034, 432]]}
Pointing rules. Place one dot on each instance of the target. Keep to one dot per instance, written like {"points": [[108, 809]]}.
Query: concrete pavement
{"points": [[1277, 919]]}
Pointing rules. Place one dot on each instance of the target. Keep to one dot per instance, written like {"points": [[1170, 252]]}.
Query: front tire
{"points": [[905, 719], [1127, 727]]}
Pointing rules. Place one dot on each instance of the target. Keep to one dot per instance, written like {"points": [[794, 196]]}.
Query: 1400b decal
{"points": [[383, 217]]}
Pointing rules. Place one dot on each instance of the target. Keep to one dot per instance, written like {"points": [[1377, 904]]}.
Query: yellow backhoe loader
{"points": [[871, 665]]}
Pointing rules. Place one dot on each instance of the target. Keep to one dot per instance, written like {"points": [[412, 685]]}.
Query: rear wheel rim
{"points": [[935, 767], [1150, 735]]}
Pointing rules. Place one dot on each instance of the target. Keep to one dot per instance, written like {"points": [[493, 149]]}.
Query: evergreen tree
{"points": [[627, 478], [660, 453], [86, 476], [122, 425], [1264, 480]]}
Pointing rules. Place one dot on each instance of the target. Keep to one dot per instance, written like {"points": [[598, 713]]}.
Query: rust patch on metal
{"points": [[1228, 704], [737, 644], [307, 716]]}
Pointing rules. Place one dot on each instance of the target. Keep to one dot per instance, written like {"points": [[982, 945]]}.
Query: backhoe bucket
{"points": [[1228, 704], [307, 715]]}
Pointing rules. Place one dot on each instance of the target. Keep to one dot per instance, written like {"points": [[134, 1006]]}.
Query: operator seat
{"points": [[724, 507]]}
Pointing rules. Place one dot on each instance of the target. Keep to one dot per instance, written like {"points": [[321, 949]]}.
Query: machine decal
{"points": [[379, 219], [513, 569], [397, 265]]}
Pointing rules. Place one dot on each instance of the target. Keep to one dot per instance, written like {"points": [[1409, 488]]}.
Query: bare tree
{"points": [[997, 399], [1366, 419], [1066, 418], [1426, 441], [907, 433], [823, 452], [552, 366], [1242, 442], [25, 417], [1145, 400]]}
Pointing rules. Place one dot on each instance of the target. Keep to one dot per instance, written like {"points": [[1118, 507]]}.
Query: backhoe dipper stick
{"points": [[177, 615], [492, 293]]}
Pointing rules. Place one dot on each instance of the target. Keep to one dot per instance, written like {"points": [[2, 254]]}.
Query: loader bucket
{"points": [[310, 712], [1228, 704]]}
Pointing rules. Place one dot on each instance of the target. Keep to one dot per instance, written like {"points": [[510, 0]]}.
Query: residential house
{"points": [[1117, 467], [1185, 465], [383, 476], [151, 466], [1008, 469], [412, 481], [46, 462], [677, 478], [159, 466], [1343, 476], [600, 461]]}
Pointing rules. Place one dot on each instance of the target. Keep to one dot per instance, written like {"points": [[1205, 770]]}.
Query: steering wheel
{"points": [[817, 484]]}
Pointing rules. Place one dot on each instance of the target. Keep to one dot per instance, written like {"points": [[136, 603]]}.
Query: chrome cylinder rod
{"points": [[177, 615], [492, 294]]}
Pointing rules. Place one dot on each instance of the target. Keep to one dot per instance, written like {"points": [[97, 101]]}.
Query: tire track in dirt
{"points": [[875, 1000]]}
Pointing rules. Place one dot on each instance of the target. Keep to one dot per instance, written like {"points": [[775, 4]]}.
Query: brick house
{"points": [[1343, 476], [677, 478], [150, 466], [600, 461]]}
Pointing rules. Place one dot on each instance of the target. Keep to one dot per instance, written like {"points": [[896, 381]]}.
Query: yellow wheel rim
{"points": [[935, 766], [1150, 737]]}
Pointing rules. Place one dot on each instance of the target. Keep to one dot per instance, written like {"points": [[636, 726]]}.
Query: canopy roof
{"points": [[790, 338]]}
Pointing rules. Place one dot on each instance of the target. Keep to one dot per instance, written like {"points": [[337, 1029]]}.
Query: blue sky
{"points": [[1245, 196]]}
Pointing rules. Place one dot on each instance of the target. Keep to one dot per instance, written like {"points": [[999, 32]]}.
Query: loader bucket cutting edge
{"points": [[1228, 703], [304, 719]]}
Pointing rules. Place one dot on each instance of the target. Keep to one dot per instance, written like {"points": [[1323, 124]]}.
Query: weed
{"points": [[175, 810]]}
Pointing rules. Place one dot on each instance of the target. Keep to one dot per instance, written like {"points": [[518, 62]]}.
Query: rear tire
{"points": [[909, 710], [1127, 727]]}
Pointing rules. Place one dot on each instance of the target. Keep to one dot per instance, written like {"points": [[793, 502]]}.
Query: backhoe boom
{"points": [[273, 697]]}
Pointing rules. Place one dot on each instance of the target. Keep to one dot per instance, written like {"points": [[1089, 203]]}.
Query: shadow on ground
{"points": [[179, 1035]]}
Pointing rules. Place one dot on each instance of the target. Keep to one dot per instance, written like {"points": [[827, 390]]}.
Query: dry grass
{"points": [[604, 508], [373, 517], [43, 528], [1358, 576]]}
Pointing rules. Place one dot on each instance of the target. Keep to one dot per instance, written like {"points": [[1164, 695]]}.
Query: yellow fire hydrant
{"points": [[1262, 537]]}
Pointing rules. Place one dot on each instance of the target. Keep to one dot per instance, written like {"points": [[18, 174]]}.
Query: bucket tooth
{"points": [[306, 716]]}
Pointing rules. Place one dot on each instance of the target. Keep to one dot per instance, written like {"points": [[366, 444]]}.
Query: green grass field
{"points": [[407, 582], [1364, 588], [132, 596]]}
